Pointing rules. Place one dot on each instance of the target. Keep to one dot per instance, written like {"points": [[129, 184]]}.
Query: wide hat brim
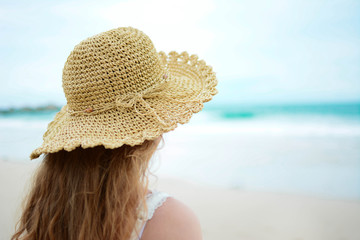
{"points": [[191, 83]]}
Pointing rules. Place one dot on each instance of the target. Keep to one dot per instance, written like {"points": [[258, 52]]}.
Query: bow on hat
{"points": [[129, 101]]}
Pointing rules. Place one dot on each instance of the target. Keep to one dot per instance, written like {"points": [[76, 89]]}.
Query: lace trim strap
{"points": [[154, 200]]}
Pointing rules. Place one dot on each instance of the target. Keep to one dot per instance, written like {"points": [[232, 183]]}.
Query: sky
{"points": [[279, 51]]}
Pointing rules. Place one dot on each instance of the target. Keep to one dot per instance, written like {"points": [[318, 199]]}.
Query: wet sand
{"points": [[223, 213]]}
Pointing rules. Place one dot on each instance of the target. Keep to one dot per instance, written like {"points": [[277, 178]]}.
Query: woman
{"points": [[122, 95]]}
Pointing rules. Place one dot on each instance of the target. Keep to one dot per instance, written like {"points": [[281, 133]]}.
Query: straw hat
{"points": [[120, 90]]}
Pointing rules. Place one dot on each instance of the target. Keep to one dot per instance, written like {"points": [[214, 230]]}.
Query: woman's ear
{"points": [[158, 139]]}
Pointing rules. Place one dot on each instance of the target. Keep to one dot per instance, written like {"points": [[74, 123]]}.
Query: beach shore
{"points": [[223, 213]]}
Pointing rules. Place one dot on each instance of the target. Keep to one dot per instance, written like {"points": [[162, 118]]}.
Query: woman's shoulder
{"points": [[172, 220]]}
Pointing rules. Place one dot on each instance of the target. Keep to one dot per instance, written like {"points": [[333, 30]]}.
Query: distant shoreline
{"points": [[46, 108]]}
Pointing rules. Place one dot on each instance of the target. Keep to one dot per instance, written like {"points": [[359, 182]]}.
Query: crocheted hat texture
{"points": [[120, 90]]}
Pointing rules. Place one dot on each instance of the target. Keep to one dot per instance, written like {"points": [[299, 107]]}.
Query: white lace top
{"points": [[153, 200]]}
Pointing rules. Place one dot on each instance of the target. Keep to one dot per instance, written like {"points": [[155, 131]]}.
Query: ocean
{"points": [[311, 149]]}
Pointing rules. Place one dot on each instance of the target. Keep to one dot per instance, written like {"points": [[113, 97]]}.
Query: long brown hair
{"points": [[87, 194]]}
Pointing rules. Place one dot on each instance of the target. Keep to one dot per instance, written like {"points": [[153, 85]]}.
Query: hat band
{"points": [[131, 100], [125, 101], [128, 101]]}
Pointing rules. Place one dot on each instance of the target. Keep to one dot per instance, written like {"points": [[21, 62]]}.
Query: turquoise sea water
{"points": [[303, 149], [344, 110]]}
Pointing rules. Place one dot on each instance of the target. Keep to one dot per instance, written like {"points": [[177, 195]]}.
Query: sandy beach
{"points": [[223, 213]]}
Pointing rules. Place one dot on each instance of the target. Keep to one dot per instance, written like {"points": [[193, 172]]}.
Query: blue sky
{"points": [[263, 51]]}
